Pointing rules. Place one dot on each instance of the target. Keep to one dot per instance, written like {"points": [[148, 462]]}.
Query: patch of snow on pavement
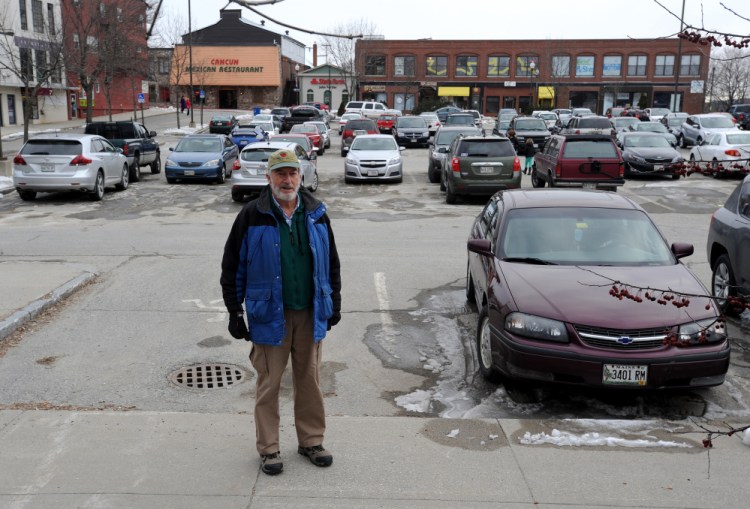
{"points": [[593, 438], [417, 401]]}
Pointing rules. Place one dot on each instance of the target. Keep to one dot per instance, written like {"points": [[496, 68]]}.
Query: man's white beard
{"points": [[285, 194]]}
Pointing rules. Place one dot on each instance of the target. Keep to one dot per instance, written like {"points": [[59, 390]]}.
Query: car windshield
{"points": [[589, 148], [487, 147], [303, 141], [652, 127], [460, 119], [52, 147], [263, 118], [257, 154], [364, 143], [411, 122], [659, 112], [388, 118], [717, 122], [548, 116], [645, 141], [626, 121], [582, 111], [584, 236], [198, 145], [279, 111], [675, 121], [595, 123], [299, 128], [738, 139], [266, 126], [530, 124]]}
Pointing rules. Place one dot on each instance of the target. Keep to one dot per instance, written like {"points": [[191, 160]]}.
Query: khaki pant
{"points": [[269, 362]]}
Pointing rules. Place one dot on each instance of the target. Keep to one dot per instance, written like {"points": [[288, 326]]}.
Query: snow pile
{"points": [[417, 401], [593, 438], [746, 437]]}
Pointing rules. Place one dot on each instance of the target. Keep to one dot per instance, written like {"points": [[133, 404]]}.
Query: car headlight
{"points": [[350, 160], [536, 327], [169, 162], [395, 160], [711, 330], [425, 133], [678, 159], [212, 162], [636, 158]]}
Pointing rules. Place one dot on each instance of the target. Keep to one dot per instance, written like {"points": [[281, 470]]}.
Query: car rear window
{"points": [[589, 148], [447, 137], [112, 130], [717, 122], [486, 148], [594, 123], [52, 147], [364, 124], [531, 124], [411, 122], [257, 155]]}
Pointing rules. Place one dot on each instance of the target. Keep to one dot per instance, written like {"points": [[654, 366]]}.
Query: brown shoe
{"points": [[318, 456], [271, 464]]}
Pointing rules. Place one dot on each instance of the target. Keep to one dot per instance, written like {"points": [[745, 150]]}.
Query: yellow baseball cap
{"points": [[283, 158]]}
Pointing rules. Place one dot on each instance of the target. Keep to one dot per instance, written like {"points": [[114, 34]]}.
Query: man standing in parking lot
{"points": [[281, 260]]}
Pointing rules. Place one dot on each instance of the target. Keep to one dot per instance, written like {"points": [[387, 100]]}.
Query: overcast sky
{"points": [[483, 19]]}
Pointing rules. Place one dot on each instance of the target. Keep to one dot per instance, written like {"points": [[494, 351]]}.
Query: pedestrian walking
{"points": [[182, 104], [281, 262], [528, 152], [512, 137], [187, 106]]}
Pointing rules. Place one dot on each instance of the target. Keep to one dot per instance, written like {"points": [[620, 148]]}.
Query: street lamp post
{"points": [[532, 67], [190, 51], [296, 82]]}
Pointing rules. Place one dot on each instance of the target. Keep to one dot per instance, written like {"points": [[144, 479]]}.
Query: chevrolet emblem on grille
{"points": [[624, 340]]}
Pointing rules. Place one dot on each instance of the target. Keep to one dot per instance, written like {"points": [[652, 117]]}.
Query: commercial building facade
{"points": [[237, 64], [325, 84], [534, 74]]}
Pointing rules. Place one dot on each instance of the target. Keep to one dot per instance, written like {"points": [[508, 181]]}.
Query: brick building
{"points": [[533, 74]]}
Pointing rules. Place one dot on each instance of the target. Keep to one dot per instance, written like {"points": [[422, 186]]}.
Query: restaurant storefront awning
{"points": [[453, 91], [546, 92]]}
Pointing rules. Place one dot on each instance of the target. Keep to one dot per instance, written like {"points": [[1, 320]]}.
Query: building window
{"points": [[436, 66], [375, 65], [404, 66], [163, 66], [92, 41], [37, 18], [585, 65], [41, 64], [57, 73], [492, 104], [560, 65], [524, 65], [612, 65], [690, 65], [310, 95], [466, 66], [404, 102], [27, 69], [102, 9], [664, 65], [498, 66], [76, 41], [637, 65], [51, 19], [23, 14]]}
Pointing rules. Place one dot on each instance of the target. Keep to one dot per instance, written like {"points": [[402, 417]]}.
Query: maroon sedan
{"points": [[580, 287]]}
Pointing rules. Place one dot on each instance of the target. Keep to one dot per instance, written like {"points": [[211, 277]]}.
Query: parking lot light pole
{"points": [[532, 67], [190, 52], [296, 82]]}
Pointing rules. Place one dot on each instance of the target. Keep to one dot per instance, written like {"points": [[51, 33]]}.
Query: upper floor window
{"points": [[163, 66], [664, 65], [498, 66], [436, 66], [310, 95], [37, 17], [466, 65], [612, 65], [690, 65], [585, 65], [637, 65], [23, 14], [561, 65], [51, 19], [404, 66], [527, 65], [375, 65]]}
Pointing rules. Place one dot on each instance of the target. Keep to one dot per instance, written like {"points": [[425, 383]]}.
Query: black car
{"points": [[728, 249], [411, 130], [646, 153], [530, 127], [222, 123]]}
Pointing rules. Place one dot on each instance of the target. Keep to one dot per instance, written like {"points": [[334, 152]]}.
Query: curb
{"points": [[34, 309]]}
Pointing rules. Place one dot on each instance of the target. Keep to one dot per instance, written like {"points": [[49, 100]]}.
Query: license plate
{"points": [[372, 173], [48, 167], [589, 185], [624, 374], [486, 169], [658, 167], [243, 142], [413, 140], [189, 172]]}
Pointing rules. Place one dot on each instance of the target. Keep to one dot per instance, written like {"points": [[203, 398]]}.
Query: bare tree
{"points": [[730, 76], [33, 63]]}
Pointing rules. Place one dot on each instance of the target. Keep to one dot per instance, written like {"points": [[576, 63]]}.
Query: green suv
{"points": [[479, 165]]}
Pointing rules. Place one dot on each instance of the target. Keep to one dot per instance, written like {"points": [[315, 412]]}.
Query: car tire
{"points": [[27, 195], [171, 180], [450, 196], [442, 180], [683, 143], [627, 173], [124, 178], [135, 170], [98, 191], [470, 296], [238, 195], [536, 180], [343, 153], [221, 176], [433, 175], [156, 164], [484, 347], [314, 184], [321, 150], [722, 284]]}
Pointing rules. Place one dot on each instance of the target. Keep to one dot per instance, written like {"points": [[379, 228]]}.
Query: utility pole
{"points": [[676, 106], [190, 50]]}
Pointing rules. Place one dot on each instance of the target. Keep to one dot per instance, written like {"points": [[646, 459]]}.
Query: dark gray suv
{"points": [[440, 145]]}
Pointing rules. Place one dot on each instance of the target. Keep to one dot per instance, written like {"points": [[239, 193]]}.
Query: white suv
{"points": [[369, 109]]}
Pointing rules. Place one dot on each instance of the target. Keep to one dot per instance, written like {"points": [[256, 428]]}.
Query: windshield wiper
{"points": [[532, 261]]}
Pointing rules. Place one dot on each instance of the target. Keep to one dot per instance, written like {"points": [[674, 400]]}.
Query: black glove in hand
{"points": [[335, 318], [237, 327]]}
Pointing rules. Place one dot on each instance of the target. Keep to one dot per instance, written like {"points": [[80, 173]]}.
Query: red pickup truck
{"points": [[579, 160]]}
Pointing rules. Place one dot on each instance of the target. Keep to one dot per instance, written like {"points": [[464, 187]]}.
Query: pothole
{"points": [[207, 376]]}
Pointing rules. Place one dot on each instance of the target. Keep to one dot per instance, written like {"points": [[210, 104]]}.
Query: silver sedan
{"points": [[374, 157]]}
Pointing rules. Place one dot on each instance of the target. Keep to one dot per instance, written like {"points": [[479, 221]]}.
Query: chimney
{"points": [[315, 54]]}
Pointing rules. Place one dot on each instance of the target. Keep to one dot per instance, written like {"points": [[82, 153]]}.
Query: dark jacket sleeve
{"points": [[335, 271], [231, 262]]}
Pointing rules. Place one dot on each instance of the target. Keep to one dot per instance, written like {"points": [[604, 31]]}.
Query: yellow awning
{"points": [[546, 92], [453, 91]]}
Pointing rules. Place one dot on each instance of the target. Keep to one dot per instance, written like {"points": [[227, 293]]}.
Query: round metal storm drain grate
{"points": [[208, 376]]}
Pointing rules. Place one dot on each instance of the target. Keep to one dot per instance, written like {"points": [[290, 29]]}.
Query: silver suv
{"points": [[697, 128]]}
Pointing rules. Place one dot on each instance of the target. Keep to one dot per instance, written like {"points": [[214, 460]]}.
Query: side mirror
{"points": [[152, 134], [682, 249], [480, 246], [401, 149], [171, 149], [345, 149]]}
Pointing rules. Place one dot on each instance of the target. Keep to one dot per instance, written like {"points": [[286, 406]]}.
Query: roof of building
{"points": [[234, 30]]}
